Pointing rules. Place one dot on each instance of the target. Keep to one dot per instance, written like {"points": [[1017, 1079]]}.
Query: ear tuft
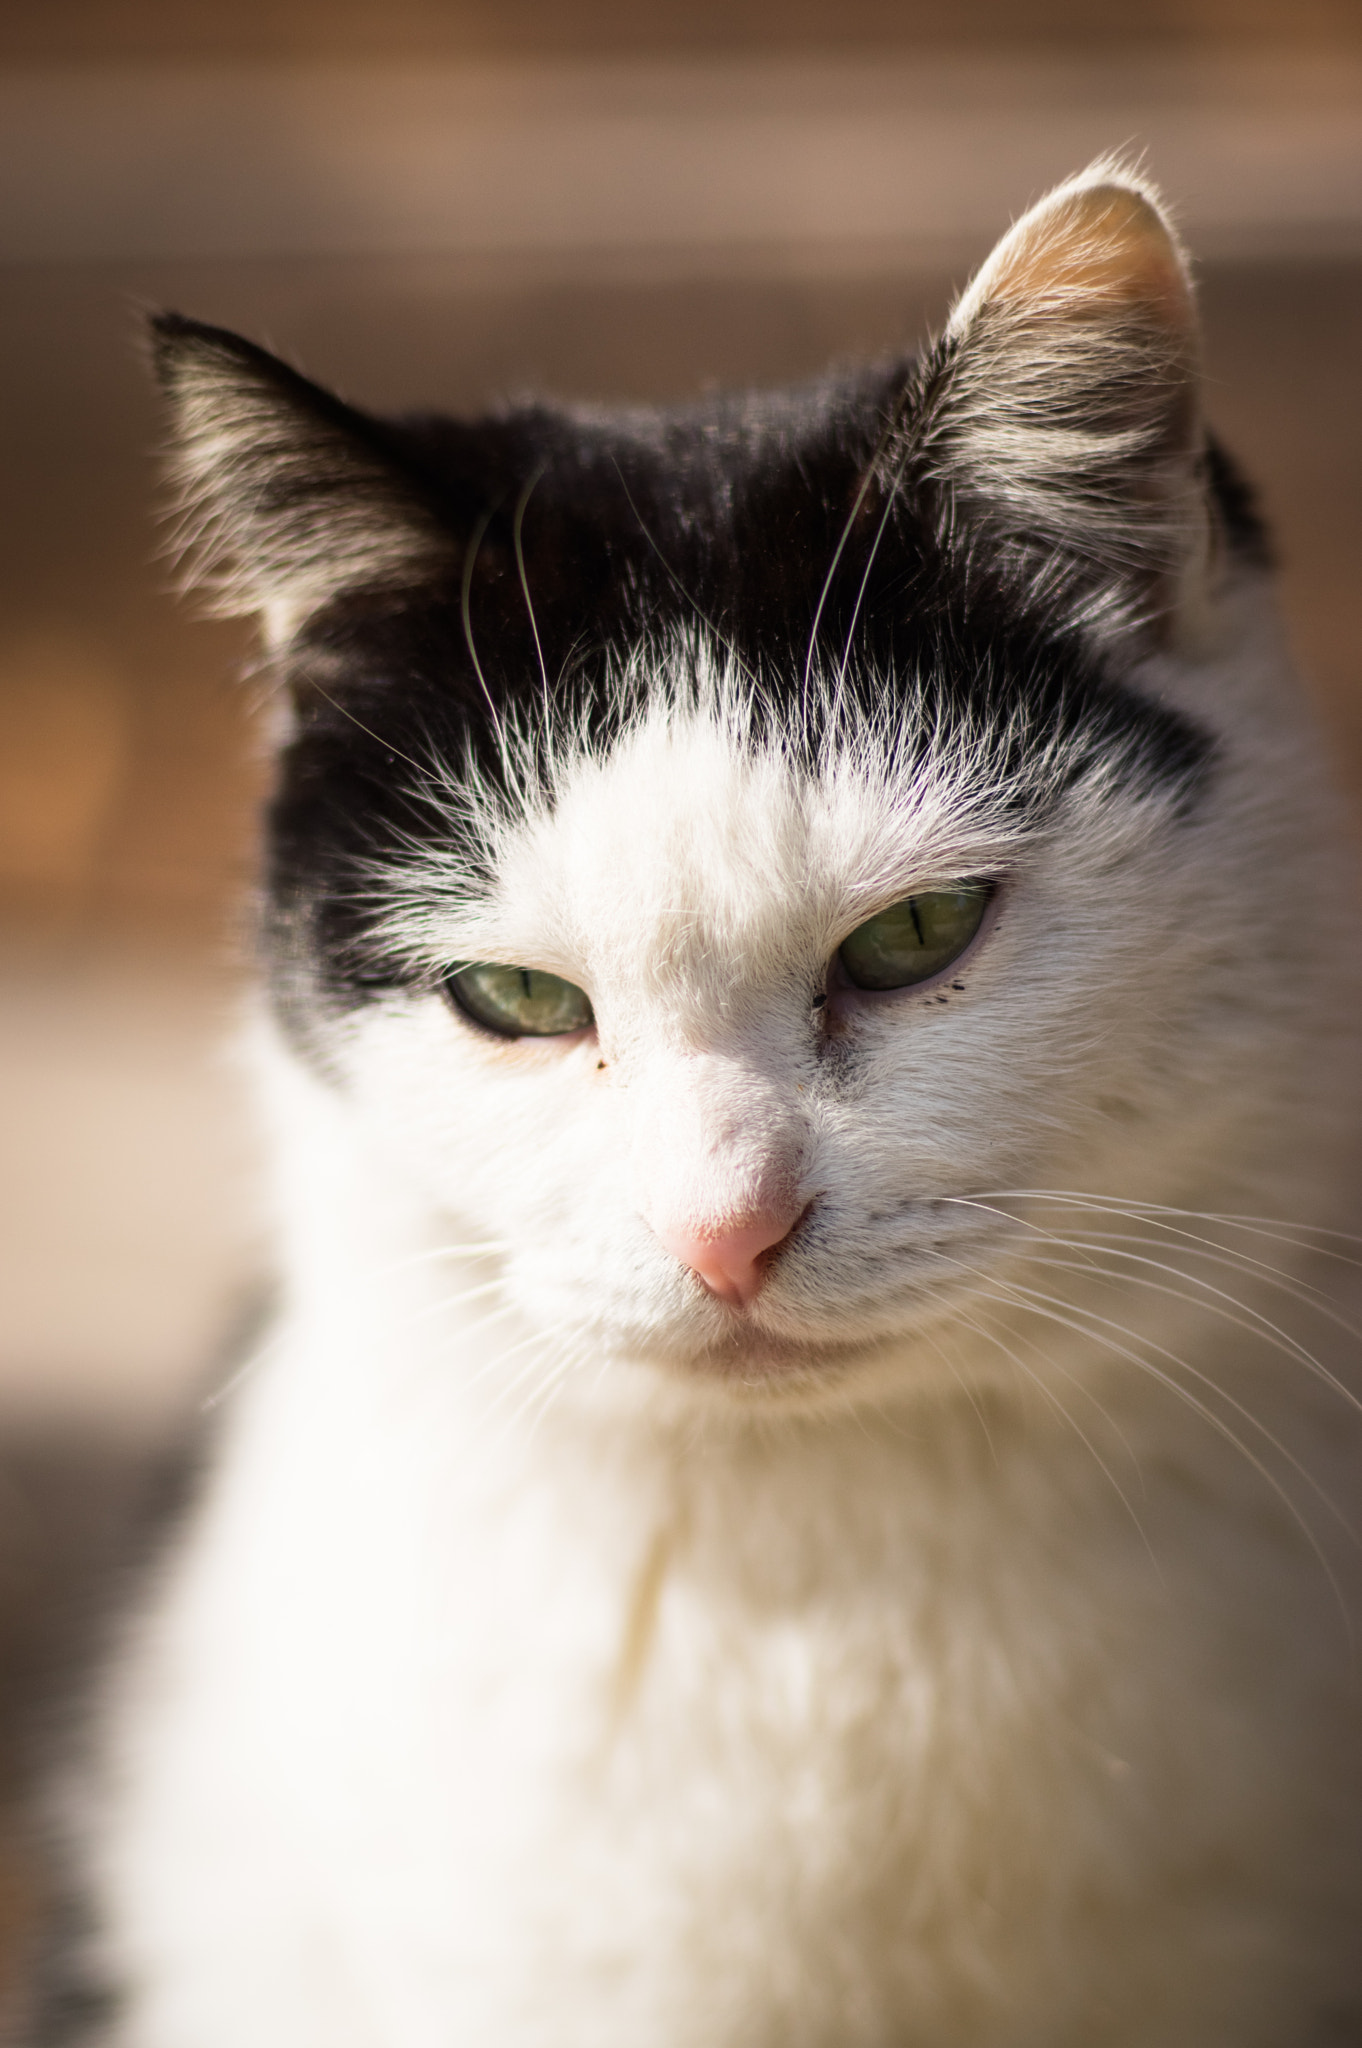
{"points": [[287, 496], [1066, 414]]}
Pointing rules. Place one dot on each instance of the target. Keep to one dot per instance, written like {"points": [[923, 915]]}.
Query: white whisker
{"points": [[1116, 1205], [1224, 1305], [1095, 1326], [1048, 1393], [1035, 1305]]}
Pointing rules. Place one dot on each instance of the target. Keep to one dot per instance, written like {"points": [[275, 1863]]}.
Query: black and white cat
{"points": [[791, 1503]]}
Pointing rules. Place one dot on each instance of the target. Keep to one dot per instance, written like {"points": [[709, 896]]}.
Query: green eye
{"points": [[915, 939], [519, 1002]]}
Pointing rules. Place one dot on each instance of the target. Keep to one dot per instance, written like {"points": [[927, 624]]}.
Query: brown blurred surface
{"points": [[104, 28]]}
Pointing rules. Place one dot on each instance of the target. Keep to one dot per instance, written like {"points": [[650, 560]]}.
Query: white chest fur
{"points": [[578, 1727]]}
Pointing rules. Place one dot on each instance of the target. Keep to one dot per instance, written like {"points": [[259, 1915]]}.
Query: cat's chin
{"points": [[778, 1352], [750, 1362]]}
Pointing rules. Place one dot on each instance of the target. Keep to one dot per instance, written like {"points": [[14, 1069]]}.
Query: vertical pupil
{"points": [[915, 939], [519, 1001]]}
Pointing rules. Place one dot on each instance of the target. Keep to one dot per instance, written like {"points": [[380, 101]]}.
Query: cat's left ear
{"points": [[1063, 417], [288, 496]]}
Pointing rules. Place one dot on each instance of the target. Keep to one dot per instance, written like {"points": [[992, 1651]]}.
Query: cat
{"points": [[796, 1495]]}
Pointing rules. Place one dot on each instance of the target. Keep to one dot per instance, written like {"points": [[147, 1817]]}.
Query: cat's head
{"points": [[718, 851]]}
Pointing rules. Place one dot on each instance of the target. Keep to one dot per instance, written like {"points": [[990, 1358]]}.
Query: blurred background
{"points": [[445, 201]]}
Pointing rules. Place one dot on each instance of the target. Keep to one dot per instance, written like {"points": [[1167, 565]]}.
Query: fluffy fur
{"points": [[954, 1648]]}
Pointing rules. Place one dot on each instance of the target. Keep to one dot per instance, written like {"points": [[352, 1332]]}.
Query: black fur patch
{"points": [[1241, 522], [763, 521]]}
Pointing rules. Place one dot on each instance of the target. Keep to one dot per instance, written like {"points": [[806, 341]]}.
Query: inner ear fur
{"points": [[1063, 415], [287, 496]]}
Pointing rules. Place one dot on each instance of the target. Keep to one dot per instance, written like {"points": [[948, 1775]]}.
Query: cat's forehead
{"points": [[692, 834], [704, 838], [716, 828], [694, 821]]}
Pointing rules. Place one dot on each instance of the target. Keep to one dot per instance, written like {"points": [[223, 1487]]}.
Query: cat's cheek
{"points": [[451, 1105]]}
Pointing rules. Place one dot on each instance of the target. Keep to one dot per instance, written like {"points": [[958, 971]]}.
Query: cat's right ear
{"points": [[1062, 425], [287, 495]]}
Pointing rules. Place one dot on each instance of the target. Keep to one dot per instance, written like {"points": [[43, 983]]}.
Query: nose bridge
{"points": [[718, 1160], [717, 1139]]}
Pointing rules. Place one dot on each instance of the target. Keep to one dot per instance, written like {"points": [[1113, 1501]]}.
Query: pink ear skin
{"points": [[1094, 250], [730, 1256]]}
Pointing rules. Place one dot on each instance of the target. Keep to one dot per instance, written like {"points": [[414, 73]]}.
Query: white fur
{"points": [[960, 1658]]}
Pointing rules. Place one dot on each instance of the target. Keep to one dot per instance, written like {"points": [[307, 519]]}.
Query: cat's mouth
{"points": [[817, 1323], [793, 1331], [772, 1352], [758, 1357]]}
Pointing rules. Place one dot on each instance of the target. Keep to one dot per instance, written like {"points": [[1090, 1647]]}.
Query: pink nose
{"points": [[729, 1258]]}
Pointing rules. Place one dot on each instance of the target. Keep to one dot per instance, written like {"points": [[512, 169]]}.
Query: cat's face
{"points": [[699, 889], [717, 851]]}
